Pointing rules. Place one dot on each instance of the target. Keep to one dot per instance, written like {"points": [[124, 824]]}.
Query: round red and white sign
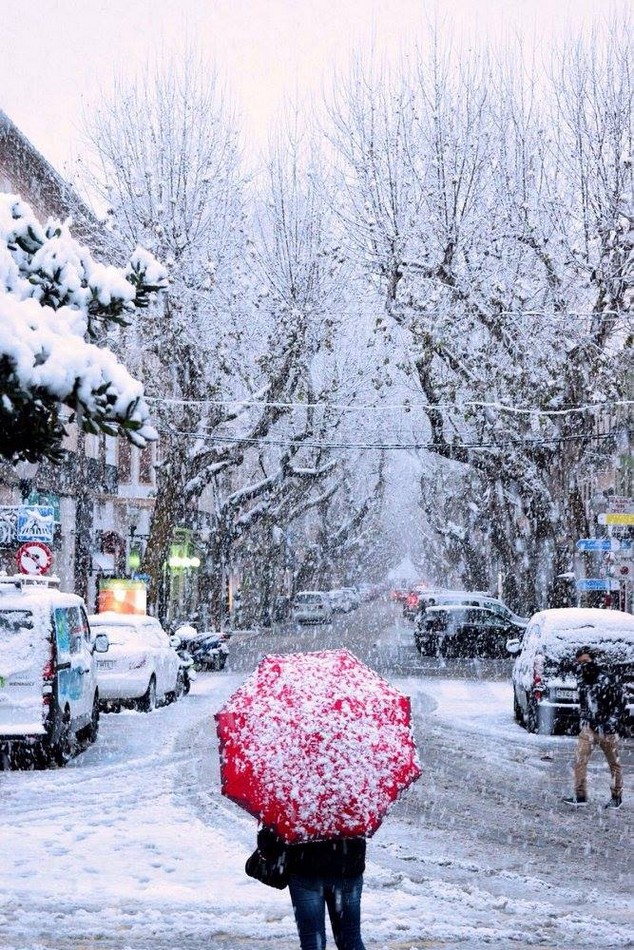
{"points": [[34, 557]]}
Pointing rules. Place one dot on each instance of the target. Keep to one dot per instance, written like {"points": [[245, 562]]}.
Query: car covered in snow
{"points": [[544, 675], [142, 668], [49, 691], [343, 600], [458, 630], [468, 598], [312, 606]]}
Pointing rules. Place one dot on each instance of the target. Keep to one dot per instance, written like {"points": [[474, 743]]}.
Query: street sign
{"points": [[35, 523], [596, 583], [622, 519], [34, 558], [595, 544], [620, 505], [603, 544]]}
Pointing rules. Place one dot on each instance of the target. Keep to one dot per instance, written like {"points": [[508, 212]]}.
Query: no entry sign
{"points": [[34, 557]]}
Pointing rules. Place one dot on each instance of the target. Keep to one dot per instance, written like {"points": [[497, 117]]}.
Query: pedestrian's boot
{"points": [[615, 801], [575, 800]]}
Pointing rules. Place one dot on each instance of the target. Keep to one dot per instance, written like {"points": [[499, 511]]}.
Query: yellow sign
{"points": [[622, 519]]}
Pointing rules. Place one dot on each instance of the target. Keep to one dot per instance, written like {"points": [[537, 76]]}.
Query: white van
{"points": [[49, 700]]}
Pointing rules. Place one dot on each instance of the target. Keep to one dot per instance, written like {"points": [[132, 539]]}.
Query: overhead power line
{"points": [[394, 407], [387, 446]]}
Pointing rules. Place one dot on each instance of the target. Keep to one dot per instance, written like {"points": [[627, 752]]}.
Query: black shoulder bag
{"points": [[269, 871]]}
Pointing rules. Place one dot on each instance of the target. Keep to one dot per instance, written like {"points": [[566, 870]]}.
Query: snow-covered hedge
{"points": [[53, 296]]}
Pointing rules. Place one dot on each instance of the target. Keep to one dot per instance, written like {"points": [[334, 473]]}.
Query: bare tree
{"points": [[454, 205]]}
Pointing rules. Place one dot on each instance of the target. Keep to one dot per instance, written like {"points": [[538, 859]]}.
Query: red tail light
{"points": [[412, 600], [538, 669], [48, 674]]}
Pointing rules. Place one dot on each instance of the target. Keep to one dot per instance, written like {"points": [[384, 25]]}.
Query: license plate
{"points": [[105, 664], [566, 693]]}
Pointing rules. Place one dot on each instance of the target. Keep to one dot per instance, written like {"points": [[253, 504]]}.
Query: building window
{"points": [[146, 469], [111, 450], [125, 461], [92, 446]]}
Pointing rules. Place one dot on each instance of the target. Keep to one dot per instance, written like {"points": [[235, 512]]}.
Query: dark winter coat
{"points": [[601, 700], [340, 857]]}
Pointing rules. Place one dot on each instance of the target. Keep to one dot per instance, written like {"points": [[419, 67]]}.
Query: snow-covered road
{"points": [[132, 846]]}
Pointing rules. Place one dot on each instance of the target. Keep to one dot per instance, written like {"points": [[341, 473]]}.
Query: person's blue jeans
{"points": [[342, 897]]}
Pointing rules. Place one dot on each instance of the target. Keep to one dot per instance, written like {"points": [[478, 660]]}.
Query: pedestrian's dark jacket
{"points": [[601, 699], [339, 857]]}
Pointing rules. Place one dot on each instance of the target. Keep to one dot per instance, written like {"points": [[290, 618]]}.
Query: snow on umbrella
{"points": [[316, 745]]}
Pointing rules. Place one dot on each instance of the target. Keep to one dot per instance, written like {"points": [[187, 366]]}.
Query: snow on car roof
{"points": [[574, 620], [31, 597], [563, 629], [445, 608]]}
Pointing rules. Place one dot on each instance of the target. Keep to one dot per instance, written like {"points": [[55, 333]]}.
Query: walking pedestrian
{"points": [[601, 711], [322, 875]]}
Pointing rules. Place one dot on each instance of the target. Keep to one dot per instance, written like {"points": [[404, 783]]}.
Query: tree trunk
{"points": [[164, 519]]}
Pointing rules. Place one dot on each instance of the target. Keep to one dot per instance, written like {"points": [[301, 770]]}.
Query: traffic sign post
{"points": [[34, 558]]}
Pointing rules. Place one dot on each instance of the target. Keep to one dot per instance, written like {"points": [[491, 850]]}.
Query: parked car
{"points": [[209, 649], [142, 669], [339, 601], [312, 606], [469, 598], [454, 630], [544, 673], [49, 693], [368, 592], [343, 600], [353, 594]]}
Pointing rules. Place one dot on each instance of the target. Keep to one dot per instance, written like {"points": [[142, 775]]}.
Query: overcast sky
{"points": [[56, 54]]}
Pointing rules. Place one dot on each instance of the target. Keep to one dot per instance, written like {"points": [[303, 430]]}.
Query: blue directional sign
{"points": [[603, 544], [594, 544], [593, 583]]}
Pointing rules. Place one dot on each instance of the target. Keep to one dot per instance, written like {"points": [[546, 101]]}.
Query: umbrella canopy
{"points": [[316, 746]]}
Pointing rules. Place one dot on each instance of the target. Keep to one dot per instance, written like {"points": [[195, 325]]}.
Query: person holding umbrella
{"points": [[318, 747], [322, 874]]}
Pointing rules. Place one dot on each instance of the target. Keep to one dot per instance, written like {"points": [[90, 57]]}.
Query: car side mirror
{"points": [[175, 641], [514, 645], [102, 644]]}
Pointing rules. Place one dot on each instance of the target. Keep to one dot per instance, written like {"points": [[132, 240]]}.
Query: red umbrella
{"points": [[316, 745]]}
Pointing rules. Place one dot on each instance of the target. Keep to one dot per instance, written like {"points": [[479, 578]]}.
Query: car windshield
{"points": [[118, 635]]}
